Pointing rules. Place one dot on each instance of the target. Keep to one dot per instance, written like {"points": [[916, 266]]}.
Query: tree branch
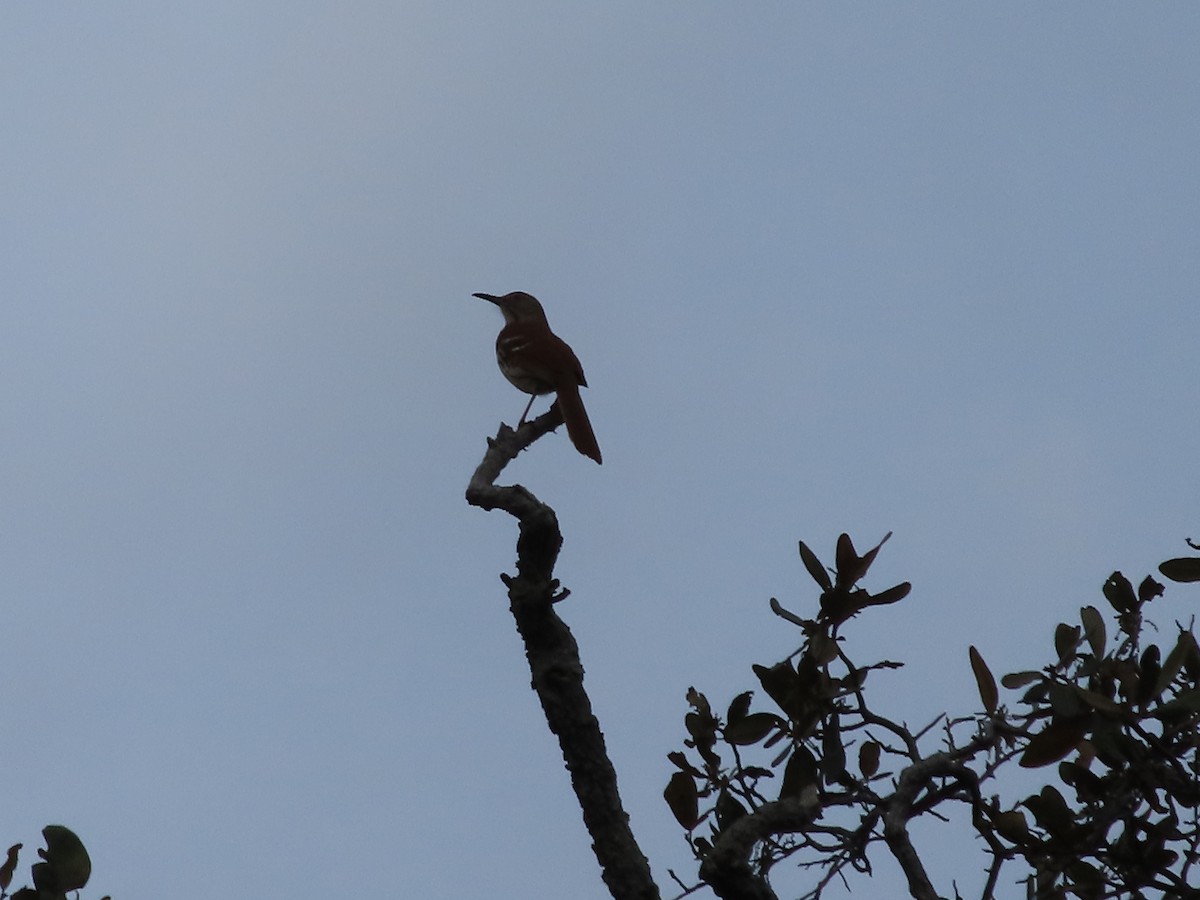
{"points": [[726, 868], [554, 661]]}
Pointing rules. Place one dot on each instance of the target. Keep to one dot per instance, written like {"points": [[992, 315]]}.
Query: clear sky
{"points": [[922, 268]]}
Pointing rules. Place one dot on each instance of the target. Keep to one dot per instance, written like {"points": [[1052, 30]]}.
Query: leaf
{"points": [[891, 595], [1098, 702], [869, 557], [1053, 742], [682, 763], [850, 566], [868, 758], [1036, 695], [68, 860], [800, 773], [1119, 592], [1050, 810], [839, 604], [1014, 680], [752, 728], [1093, 630], [775, 738], [1087, 881], [683, 799], [984, 681], [787, 615], [1012, 825], [833, 752], [1185, 704], [1065, 702], [822, 648], [1149, 589], [1151, 666], [739, 706], [1183, 569], [9, 867], [1088, 786], [782, 685], [1066, 639], [1191, 662], [846, 561], [701, 724], [814, 567], [728, 809], [1174, 662]]}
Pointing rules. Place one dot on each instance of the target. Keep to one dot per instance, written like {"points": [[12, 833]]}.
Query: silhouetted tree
{"points": [[65, 867], [821, 778]]}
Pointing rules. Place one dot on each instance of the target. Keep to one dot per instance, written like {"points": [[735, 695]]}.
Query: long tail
{"points": [[579, 427]]}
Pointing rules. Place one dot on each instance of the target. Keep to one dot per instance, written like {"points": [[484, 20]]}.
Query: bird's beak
{"points": [[489, 297]]}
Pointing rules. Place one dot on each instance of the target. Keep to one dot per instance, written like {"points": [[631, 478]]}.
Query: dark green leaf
{"points": [[1119, 592], [682, 763], [839, 604], [752, 728], [1036, 695], [814, 567], [1014, 680], [833, 752], [1094, 630], [1149, 589], [683, 800], [822, 648], [1174, 662], [800, 773], [68, 861], [782, 685], [1065, 702], [1151, 668], [1053, 742], [869, 557], [984, 680], [1184, 569], [850, 566], [787, 615], [9, 867], [1098, 702], [846, 561], [1185, 704], [739, 706], [1191, 662], [728, 809], [1066, 639], [868, 758], [1012, 825], [1088, 785], [891, 595], [1087, 882], [1051, 811]]}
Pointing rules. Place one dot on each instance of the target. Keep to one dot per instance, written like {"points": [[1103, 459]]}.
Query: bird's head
{"points": [[517, 306]]}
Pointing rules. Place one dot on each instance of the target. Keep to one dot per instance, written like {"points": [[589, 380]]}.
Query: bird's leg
{"points": [[528, 405]]}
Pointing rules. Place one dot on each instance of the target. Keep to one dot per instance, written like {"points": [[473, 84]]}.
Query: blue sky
{"points": [[922, 268]]}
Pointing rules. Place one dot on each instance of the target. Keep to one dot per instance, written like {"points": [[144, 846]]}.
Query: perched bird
{"points": [[537, 361]]}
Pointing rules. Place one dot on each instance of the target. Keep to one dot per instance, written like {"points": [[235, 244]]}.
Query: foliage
{"points": [[822, 778], [65, 867]]}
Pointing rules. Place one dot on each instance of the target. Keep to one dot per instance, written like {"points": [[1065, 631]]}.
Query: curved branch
{"points": [[727, 870], [554, 661]]}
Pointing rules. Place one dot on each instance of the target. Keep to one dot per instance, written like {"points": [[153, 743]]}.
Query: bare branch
{"points": [[726, 868], [554, 662]]}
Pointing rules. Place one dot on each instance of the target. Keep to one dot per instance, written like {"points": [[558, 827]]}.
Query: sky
{"points": [[922, 268]]}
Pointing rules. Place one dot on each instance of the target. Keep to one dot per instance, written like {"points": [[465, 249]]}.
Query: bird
{"points": [[537, 361]]}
